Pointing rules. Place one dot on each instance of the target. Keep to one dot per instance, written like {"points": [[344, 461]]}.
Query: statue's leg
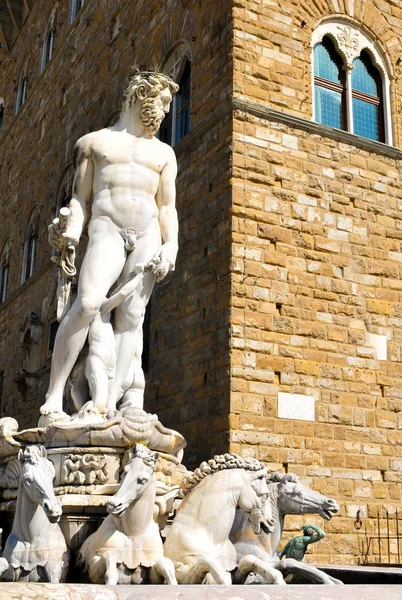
{"points": [[101, 267], [251, 564], [53, 569], [198, 571], [308, 572], [163, 572], [5, 570], [111, 573], [101, 361], [129, 317]]}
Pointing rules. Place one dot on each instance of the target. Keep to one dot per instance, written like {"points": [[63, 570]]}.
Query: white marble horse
{"points": [[198, 540], [36, 549], [288, 496], [127, 547]]}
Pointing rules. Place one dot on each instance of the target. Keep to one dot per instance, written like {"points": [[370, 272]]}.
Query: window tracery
{"points": [[351, 79]]}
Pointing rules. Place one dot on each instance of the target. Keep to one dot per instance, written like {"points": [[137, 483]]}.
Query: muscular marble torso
{"points": [[126, 177]]}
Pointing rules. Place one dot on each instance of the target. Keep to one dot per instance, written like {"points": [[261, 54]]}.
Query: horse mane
{"points": [[219, 462]]}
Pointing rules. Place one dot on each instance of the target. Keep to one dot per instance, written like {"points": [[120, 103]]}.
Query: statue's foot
{"points": [[52, 405]]}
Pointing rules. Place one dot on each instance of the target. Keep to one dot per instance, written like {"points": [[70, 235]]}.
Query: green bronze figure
{"points": [[297, 547]]}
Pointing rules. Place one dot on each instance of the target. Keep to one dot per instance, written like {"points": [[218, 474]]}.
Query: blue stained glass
{"points": [[328, 107], [327, 63], [366, 121], [365, 76]]}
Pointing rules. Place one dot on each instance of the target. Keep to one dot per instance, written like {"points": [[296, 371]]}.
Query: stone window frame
{"points": [[22, 92], [5, 270], [49, 42], [174, 64], [30, 253], [76, 6], [350, 40]]}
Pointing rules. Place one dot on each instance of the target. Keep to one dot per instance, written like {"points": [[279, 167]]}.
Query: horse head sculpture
{"points": [[198, 540], [258, 553], [36, 548], [127, 547], [36, 479], [294, 498], [137, 477]]}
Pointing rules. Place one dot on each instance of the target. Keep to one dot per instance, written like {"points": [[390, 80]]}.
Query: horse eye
{"points": [[142, 480], [27, 479]]}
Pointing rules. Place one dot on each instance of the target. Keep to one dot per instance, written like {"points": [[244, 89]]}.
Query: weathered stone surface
{"points": [[32, 591]]}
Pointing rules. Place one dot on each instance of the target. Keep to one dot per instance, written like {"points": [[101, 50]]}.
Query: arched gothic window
{"points": [[368, 109], [76, 6], [176, 124], [4, 272], [49, 41], [329, 85], [22, 90], [351, 82], [30, 251]]}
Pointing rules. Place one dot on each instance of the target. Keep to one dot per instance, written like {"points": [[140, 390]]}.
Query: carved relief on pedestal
{"points": [[85, 469], [85, 466]]}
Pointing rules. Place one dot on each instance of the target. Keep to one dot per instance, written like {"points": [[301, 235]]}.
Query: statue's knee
{"points": [[133, 319], [89, 307]]}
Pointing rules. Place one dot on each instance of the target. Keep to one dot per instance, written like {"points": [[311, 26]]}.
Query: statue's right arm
{"points": [[82, 189]]}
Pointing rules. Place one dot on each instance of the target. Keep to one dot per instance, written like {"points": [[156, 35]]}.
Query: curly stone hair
{"points": [[146, 84], [218, 463]]}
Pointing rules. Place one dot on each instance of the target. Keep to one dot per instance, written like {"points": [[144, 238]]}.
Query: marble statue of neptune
{"points": [[124, 187]]}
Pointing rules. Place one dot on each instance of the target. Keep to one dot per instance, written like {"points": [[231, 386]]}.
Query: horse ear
{"points": [[20, 455], [258, 474], [290, 478], [157, 455], [42, 451]]}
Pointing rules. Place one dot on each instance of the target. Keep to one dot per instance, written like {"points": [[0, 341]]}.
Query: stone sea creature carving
{"points": [[129, 426], [198, 540], [288, 496], [36, 549], [127, 547]]}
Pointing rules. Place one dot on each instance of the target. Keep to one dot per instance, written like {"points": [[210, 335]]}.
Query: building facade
{"points": [[279, 334]]}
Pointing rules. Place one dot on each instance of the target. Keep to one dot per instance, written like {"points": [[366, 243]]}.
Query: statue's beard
{"points": [[151, 115]]}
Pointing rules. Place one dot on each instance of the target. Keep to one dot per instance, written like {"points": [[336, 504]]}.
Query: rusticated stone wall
{"points": [[316, 325]]}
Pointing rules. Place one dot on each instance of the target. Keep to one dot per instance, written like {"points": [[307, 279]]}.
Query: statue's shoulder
{"points": [[166, 151], [85, 146]]}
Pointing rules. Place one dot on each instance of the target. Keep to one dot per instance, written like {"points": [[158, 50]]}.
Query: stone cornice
{"points": [[262, 111]]}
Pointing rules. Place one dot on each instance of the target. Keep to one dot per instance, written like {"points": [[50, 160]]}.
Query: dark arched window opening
{"points": [[76, 6], [22, 92], [183, 104], [329, 85], [49, 42], [31, 250], [176, 124], [368, 112]]}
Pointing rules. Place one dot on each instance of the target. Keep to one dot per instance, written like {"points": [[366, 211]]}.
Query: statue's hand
{"points": [[163, 261], [59, 239]]}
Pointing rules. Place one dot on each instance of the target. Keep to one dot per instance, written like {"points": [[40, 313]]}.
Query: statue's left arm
{"points": [[165, 258]]}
